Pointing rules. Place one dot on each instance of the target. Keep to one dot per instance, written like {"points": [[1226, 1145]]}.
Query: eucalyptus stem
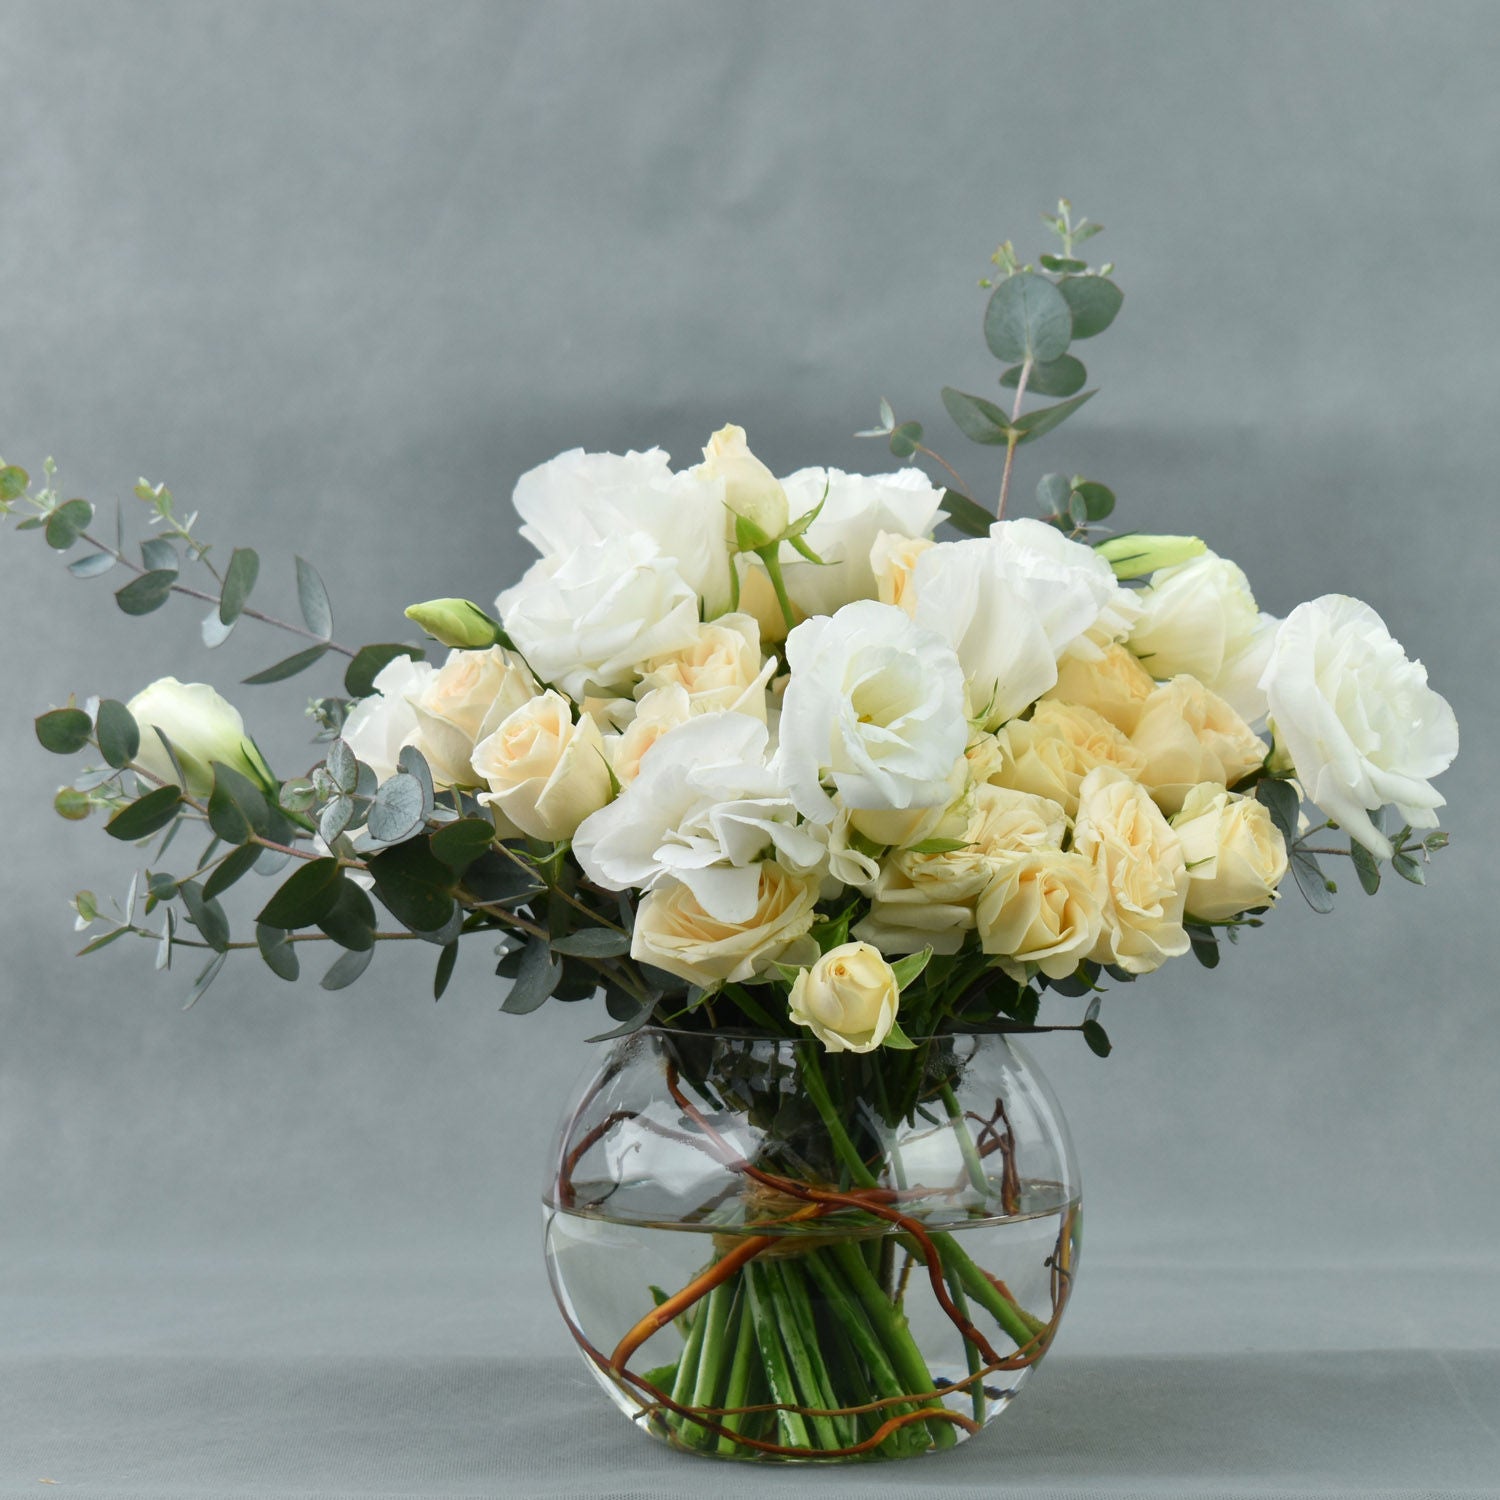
{"points": [[1012, 440]]}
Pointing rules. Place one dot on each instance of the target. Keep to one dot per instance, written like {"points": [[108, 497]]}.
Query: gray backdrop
{"points": [[338, 273]]}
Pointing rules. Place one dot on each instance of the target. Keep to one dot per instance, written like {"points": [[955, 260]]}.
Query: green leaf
{"points": [[1093, 302], [146, 593], [206, 915], [160, 556], [312, 599], [347, 968], [496, 878], [64, 524], [979, 420], [537, 977], [1283, 803], [414, 885], [1027, 318], [359, 680], [230, 869], [414, 763], [118, 734], [342, 765], [145, 815], [103, 941], [1205, 949], [279, 954], [1408, 868], [1310, 878], [1053, 492], [629, 1024], [206, 978], [397, 811], [289, 667], [936, 846], [64, 731], [306, 897], [459, 844], [92, 565], [897, 1040], [1098, 499], [593, 942], [1058, 377], [1097, 1038], [236, 807], [239, 579], [1035, 423], [13, 482], [904, 439], [350, 922], [1366, 866], [446, 960], [71, 804], [965, 515], [907, 969], [1061, 263]]}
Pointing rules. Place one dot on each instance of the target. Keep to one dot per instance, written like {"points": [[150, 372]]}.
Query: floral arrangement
{"points": [[766, 757]]}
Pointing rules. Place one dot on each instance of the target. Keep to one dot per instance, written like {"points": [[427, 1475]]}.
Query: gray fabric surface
{"points": [[337, 273]]}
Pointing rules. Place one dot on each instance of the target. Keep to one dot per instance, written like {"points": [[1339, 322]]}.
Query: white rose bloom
{"points": [[1358, 718], [1200, 618], [591, 618], [749, 488], [381, 726], [203, 728], [848, 999], [874, 704], [720, 668], [857, 509], [704, 810], [545, 773], [1010, 604], [578, 498], [893, 557], [462, 702]]}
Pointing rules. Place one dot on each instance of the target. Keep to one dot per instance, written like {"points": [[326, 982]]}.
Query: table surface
{"points": [[158, 1376]]}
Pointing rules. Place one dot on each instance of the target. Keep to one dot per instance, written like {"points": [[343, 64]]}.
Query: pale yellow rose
{"points": [[1115, 685], [848, 999], [751, 490], [892, 558], [674, 933], [1043, 908], [719, 669], [1236, 856], [460, 704], [661, 709], [1050, 753], [1187, 734], [1140, 858], [545, 773]]}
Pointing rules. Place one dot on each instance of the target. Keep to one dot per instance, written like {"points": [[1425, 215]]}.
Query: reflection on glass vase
{"points": [[768, 1251]]}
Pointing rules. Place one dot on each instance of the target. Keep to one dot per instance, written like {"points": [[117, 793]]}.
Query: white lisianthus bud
{"points": [[1236, 857], [1135, 554], [545, 773], [462, 703], [1187, 735], [455, 622], [673, 932], [203, 728], [751, 490], [848, 999], [1140, 857], [1356, 715]]}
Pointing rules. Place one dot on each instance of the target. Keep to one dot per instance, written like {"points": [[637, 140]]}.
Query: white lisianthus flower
{"points": [[579, 498], [874, 705], [720, 668], [1200, 618], [460, 704], [1189, 735], [545, 773], [1236, 856], [848, 999], [593, 617], [1139, 856], [203, 728], [856, 510], [381, 726], [673, 932], [1356, 715], [703, 810]]}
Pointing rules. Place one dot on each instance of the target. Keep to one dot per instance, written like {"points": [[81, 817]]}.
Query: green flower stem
{"points": [[792, 1429], [736, 1391], [708, 1379], [911, 1369], [768, 555], [817, 1091], [1019, 1325], [965, 1140], [971, 1354], [687, 1377], [809, 1369], [848, 1313]]}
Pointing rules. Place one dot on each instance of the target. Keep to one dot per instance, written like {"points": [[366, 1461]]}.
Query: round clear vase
{"points": [[766, 1251]]}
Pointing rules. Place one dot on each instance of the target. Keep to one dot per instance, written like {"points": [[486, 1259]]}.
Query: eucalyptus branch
{"points": [[1013, 438]]}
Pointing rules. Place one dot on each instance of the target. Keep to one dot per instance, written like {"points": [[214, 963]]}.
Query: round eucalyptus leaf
{"points": [[1027, 318]]}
